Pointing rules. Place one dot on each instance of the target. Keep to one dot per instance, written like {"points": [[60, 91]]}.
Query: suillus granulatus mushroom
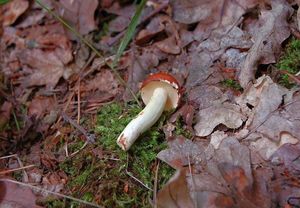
{"points": [[159, 92]]}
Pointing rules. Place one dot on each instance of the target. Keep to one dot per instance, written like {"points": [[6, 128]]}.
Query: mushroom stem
{"points": [[144, 120]]}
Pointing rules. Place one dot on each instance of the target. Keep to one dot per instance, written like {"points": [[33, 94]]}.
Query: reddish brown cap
{"points": [[166, 81]]}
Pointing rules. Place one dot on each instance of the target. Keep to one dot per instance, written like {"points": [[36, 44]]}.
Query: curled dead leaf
{"points": [[226, 114]]}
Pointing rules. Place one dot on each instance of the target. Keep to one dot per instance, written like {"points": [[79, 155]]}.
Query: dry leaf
{"points": [[181, 153], [271, 30], [12, 195], [12, 10], [168, 45], [47, 68], [40, 105], [226, 114], [80, 14], [5, 112], [175, 193]]}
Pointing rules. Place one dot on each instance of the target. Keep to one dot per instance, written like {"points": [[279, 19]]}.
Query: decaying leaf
{"points": [[227, 114], [181, 153], [5, 112], [271, 30], [12, 10], [227, 180], [80, 14], [272, 113], [40, 105], [47, 68], [203, 56], [175, 193], [12, 195]]}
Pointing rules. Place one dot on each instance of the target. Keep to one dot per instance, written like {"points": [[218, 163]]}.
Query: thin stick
{"points": [[78, 104], [50, 192], [193, 181], [8, 156], [89, 137], [138, 180], [135, 178], [155, 185], [16, 169]]}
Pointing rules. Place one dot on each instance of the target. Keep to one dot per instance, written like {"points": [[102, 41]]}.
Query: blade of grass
{"points": [[4, 2], [90, 46], [129, 32]]}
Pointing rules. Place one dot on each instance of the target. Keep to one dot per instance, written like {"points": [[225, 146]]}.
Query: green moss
{"points": [[81, 179], [52, 202], [290, 61], [233, 84], [180, 130], [106, 176]]}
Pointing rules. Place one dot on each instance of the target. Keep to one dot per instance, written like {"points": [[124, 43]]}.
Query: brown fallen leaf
{"points": [[9, 191], [104, 81], [226, 180], [175, 193], [79, 14], [272, 113], [206, 95], [154, 28], [125, 14], [203, 55], [13, 10], [285, 180], [47, 68], [40, 105], [5, 112], [169, 45], [181, 153], [227, 114], [268, 34]]}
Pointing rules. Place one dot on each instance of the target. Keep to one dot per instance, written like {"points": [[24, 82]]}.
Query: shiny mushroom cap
{"points": [[162, 80]]}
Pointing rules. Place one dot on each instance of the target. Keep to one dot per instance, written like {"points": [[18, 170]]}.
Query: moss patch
{"points": [[290, 61], [103, 170], [232, 84]]}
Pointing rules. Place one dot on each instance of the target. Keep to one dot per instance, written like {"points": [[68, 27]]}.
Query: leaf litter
{"points": [[244, 148]]}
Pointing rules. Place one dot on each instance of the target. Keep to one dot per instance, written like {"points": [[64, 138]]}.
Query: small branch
{"points": [[135, 178], [16, 169], [89, 137], [155, 185]]}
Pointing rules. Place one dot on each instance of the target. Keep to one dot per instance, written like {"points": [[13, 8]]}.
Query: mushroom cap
{"points": [[163, 80]]}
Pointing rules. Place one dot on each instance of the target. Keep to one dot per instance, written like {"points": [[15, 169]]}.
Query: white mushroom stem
{"points": [[144, 120]]}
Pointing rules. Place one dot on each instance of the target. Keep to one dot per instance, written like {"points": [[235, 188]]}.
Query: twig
{"points": [[8, 156], [78, 99], [155, 185], [193, 181], [50, 192], [16, 169], [138, 180], [89, 137], [25, 176], [135, 178]]}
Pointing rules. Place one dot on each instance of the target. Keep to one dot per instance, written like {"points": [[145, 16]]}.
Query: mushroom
{"points": [[159, 92]]}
